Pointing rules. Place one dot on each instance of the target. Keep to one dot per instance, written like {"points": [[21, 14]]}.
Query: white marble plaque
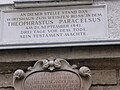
{"points": [[55, 26]]}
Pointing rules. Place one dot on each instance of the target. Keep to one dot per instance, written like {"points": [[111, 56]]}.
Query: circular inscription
{"points": [[61, 80]]}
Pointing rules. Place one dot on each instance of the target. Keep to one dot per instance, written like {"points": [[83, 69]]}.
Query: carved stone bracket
{"points": [[53, 74]]}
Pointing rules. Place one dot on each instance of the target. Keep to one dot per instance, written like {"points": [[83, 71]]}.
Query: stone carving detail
{"points": [[19, 74], [51, 64], [54, 74]]}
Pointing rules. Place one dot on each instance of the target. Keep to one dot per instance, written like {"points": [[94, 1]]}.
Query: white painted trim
{"points": [[6, 1]]}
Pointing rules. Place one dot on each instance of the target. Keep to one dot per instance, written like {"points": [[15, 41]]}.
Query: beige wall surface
{"points": [[104, 61]]}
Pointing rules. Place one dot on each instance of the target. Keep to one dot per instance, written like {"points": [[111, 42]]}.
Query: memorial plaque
{"points": [[55, 26], [53, 74]]}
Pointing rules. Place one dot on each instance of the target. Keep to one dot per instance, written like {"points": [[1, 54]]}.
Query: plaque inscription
{"points": [[55, 25], [52, 81]]}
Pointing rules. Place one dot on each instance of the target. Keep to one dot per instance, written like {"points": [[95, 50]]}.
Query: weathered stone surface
{"points": [[6, 80], [7, 88], [105, 88], [69, 53], [8, 67], [99, 64], [13, 55], [104, 77], [119, 77]]}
